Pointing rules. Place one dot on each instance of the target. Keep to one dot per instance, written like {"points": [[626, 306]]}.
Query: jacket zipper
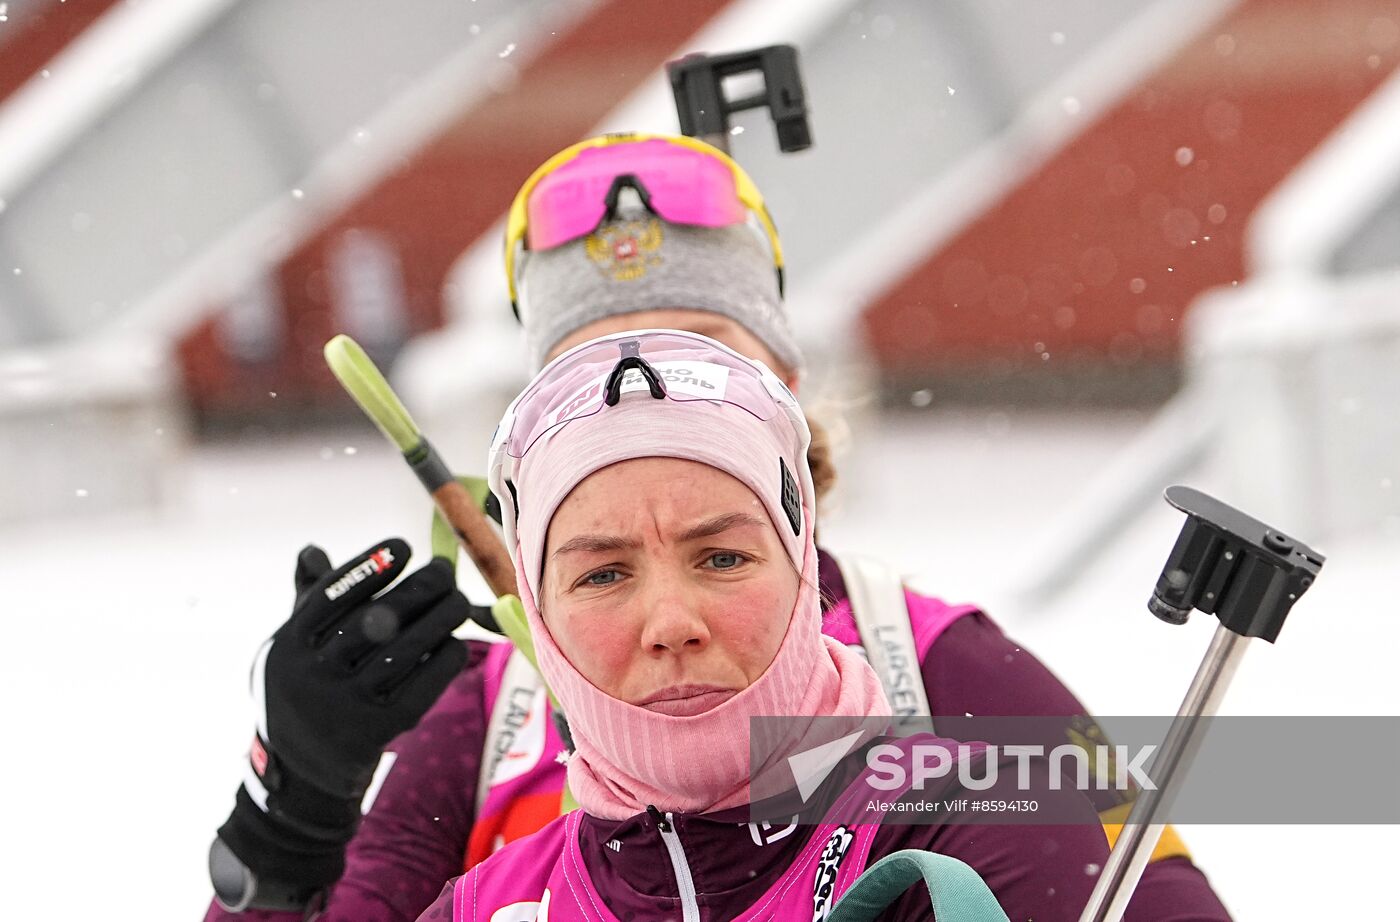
{"points": [[690, 907]]}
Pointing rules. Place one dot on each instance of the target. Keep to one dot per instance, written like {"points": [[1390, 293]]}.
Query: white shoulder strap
{"points": [[882, 619], [518, 683]]}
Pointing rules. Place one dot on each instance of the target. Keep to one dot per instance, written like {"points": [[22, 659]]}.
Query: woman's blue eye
{"points": [[725, 561], [601, 578]]}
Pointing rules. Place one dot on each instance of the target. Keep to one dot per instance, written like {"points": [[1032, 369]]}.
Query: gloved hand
{"points": [[351, 669]]}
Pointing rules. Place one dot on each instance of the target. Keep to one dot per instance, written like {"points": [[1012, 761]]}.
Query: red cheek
{"points": [[599, 644], [755, 621]]}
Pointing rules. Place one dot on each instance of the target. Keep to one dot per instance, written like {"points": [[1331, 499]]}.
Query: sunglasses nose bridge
{"points": [[613, 390], [614, 194]]}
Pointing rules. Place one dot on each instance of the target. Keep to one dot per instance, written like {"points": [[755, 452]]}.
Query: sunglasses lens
{"points": [[684, 186]]}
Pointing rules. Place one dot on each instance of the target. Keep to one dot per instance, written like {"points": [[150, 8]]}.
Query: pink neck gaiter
{"points": [[628, 757]]}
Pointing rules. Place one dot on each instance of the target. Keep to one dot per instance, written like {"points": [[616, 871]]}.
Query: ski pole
{"points": [[456, 506], [1248, 575], [364, 382]]}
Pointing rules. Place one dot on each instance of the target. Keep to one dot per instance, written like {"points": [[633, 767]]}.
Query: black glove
{"points": [[347, 673]]}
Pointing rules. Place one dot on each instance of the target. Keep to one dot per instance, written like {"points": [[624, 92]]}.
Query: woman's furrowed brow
{"points": [[602, 544], [721, 523], [596, 544]]}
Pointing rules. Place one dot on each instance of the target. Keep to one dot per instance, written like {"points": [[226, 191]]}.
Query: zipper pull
{"points": [[658, 819]]}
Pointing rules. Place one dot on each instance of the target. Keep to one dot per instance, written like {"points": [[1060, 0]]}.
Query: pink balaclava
{"points": [[628, 757]]}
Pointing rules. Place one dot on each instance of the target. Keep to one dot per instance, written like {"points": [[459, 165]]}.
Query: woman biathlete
{"points": [[658, 504], [617, 233]]}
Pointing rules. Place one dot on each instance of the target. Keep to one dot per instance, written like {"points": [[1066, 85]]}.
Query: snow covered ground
{"points": [[127, 641]]}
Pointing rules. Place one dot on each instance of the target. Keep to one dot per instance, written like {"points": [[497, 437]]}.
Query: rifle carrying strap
{"points": [[956, 892], [882, 620]]}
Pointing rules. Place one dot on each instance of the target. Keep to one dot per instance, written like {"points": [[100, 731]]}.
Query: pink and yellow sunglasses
{"points": [[679, 179]]}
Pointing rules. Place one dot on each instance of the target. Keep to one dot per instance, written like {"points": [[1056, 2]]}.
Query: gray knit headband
{"points": [[640, 263]]}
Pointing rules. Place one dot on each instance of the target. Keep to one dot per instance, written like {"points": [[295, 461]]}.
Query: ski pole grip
{"points": [[703, 107], [1233, 566], [364, 382]]}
